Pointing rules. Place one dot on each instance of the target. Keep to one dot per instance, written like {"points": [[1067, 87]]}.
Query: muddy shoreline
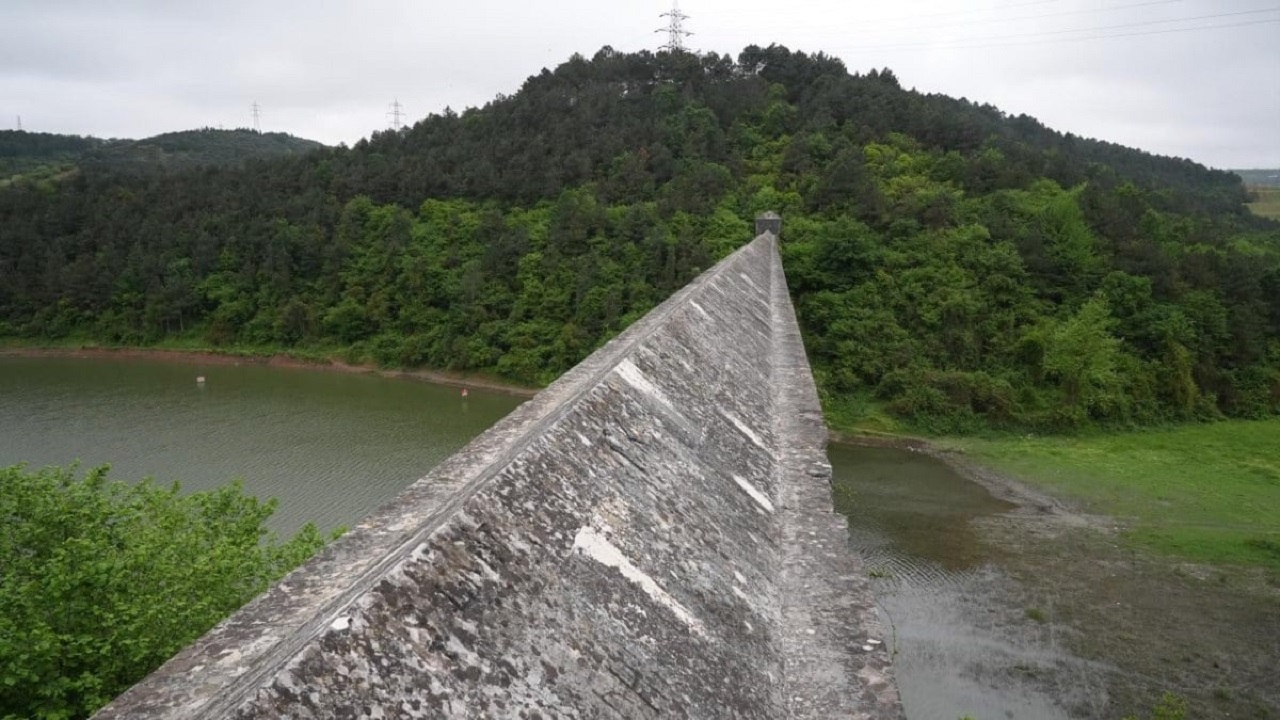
{"points": [[1138, 624], [204, 357], [1000, 485]]}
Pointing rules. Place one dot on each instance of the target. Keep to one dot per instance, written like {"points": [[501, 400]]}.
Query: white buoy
{"points": [[199, 379]]}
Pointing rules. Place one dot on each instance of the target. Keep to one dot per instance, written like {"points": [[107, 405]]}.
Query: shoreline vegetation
{"points": [[1199, 493], [1203, 493], [107, 579]]}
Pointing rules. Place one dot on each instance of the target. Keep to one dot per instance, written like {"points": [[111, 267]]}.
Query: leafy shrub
{"points": [[104, 581]]}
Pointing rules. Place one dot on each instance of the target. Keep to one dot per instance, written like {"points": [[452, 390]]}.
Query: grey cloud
{"points": [[328, 69]]}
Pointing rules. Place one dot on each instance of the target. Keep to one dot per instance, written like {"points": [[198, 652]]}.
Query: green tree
{"points": [[104, 581], [1083, 355]]}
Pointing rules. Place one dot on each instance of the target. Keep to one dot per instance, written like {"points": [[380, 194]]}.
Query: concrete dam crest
{"points": [[651, 536]]}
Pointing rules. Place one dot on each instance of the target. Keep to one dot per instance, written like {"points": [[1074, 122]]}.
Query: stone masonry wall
{"points": [[649, 537]]}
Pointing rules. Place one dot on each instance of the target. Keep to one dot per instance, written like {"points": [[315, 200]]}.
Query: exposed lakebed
{"points": [[1005, 603]]}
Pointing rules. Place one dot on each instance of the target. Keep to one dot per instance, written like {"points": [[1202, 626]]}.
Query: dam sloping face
{"points": [[650, 537]]}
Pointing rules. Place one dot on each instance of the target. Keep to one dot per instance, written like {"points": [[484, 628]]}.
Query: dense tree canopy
{"points": [[33, 156], [23, 151], [950, 263]]}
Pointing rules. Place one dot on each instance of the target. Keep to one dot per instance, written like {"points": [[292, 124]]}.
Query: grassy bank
{"points": [[1208, 493], [1267, 203]]}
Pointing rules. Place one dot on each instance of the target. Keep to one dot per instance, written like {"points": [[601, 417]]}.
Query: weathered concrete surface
{"points": [[649, 537]]}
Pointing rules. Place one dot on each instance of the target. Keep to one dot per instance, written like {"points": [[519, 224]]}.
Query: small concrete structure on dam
{"points": [[650, 537]]}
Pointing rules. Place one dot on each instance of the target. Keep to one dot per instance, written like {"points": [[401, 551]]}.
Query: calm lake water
{"points": [[964, 645], [331, 446]]}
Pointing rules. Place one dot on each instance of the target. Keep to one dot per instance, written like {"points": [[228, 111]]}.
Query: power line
{"points": [[1017, 18], [675, 28], [1123, 35], [1021, 36], [1090, 11], [396, 113], [257, 116], [874, 23], [972, 11], [1115, 35]]}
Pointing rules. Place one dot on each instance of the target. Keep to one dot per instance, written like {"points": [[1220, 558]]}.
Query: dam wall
{"points": [[649, 537]]}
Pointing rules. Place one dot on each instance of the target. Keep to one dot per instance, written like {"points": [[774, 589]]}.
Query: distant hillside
{"points": [[25, 152], [195, 148], [1260, 177], [41, 155], [952, 266], [1264, 191]]}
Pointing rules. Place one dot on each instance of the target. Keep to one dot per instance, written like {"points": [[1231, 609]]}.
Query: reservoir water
{"points": [[993, 610], [330, 446]]}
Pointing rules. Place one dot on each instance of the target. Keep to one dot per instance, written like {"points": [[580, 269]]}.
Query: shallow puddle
{"points": [[964, 646]]}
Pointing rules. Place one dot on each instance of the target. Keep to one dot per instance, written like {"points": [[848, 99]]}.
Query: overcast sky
{"points": [[1191, 78]]}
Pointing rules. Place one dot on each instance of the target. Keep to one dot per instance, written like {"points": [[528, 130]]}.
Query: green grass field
{"points": [[1208, 493], [1268, 204]]}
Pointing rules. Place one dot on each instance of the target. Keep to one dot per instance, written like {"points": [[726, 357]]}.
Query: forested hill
{"points": [[195, 148], [22, 152], [951, 265], [46, 154]]}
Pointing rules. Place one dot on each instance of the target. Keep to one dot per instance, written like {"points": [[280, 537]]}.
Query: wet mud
{"points": [[1008, 603]]}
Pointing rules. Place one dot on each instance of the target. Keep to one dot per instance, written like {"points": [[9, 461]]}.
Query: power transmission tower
{"points": [[396, 113], [19, 122], [675, 28], [257, 117]]}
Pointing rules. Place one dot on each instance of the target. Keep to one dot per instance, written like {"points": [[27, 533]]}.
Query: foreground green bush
{"points": [[101, 582]]}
